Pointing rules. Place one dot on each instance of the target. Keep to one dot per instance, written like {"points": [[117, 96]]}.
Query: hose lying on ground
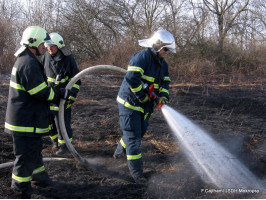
{"points": [[11, 164], [78, 76]]}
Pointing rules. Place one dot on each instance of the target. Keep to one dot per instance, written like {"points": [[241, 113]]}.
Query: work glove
{"points": [[70, 101], [145, 99], [64, 93], [163, 100]]}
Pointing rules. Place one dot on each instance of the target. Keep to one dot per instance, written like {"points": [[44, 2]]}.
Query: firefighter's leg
{"points": [[144, 124], [39, 174], [131, 126], [24, 151], [120, 149], [134, 156], [54, 134], [61, 142]]}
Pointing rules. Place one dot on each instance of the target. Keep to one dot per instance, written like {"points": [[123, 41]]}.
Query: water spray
{"points": [[210, 159]]}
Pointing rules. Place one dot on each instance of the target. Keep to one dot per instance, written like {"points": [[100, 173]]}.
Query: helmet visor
{"points": [[49, 43], [171, 47]]}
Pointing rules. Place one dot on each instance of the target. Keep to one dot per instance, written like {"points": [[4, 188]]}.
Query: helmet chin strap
{"points": [[38, 52], [154, 51]]}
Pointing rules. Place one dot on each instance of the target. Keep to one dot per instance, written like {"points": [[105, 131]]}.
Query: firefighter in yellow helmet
{"points": [[60, 67], [27, 114]]}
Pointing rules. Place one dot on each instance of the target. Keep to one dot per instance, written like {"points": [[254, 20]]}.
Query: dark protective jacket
{"points": [[144, 67], [60, 72], [29, 96]]}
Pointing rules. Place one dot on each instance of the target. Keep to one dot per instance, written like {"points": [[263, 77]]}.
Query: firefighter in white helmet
{"points": [[60, 67], [146, 67], [27, 114]]}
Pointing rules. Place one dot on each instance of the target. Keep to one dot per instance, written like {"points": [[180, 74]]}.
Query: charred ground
{"points": [[232, 110]]}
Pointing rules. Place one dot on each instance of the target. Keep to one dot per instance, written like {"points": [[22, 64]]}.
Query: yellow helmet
{"points": [[56, 39], [33, 36]]}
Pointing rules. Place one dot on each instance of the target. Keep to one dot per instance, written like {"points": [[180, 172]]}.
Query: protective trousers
{"points": [[57, 133], [28, 164], [134, 127]]}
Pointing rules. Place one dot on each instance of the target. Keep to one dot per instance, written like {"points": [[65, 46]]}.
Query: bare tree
{"points": [[9, 11], [108, 28], [44, 13], [81, 30], [257, 18], [126, 13], [226, 12], [173, 19], [152, 10]]}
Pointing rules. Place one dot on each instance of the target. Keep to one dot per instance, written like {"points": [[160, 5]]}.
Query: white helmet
{"points": [[32, 37], [160, 39], [56, 39]]}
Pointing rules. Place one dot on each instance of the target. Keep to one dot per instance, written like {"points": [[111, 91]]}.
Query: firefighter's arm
{"points": [[163, 100], [33, 80], [135, 71], [164, 88], [133, 76], [76, 87], [145, 99]]}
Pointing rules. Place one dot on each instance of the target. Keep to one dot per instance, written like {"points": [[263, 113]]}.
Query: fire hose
{"points": [[77, 77], [11, 164]]}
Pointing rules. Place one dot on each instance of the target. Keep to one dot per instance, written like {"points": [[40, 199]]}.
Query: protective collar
{"points": [[65, 51], [20, 50]]}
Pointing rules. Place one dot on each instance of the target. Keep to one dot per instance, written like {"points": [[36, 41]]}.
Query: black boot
{"points": [[119, 152], [62, 150], [24, 190], [140, 180], [43, 180], [55, 144]]}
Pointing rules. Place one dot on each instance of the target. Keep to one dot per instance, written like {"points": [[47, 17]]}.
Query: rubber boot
{"points": [[140, 180], [43, 180], [62, 150], [136, 171], [55, 144], [119, 152], [24, 190]]}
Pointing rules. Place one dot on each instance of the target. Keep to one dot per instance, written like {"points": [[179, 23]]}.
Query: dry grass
{"points": [[166, 147], [110, 140], [85, 101]]}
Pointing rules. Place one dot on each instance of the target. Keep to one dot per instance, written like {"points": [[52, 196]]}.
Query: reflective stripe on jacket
{"points": [[143, 68], [27, 111], [65, 68]]}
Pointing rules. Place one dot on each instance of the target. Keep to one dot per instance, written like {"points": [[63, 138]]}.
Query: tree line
{"points": [[212, 36]]}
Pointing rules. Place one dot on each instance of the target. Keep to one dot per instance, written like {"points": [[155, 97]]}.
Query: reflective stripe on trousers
{"points": [[28, 162], [133, 126]]}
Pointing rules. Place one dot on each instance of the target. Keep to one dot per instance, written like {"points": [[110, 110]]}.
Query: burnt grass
{"points": [[232, 110]]}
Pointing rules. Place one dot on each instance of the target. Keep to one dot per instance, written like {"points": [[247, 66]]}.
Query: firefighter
{"points": [[27, 114], [135, 106], [60, 67]]}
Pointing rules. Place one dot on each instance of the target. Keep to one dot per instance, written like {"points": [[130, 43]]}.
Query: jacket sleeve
{"points": [[33, 80], [74, 70], [134, 73], [165, 81]]}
